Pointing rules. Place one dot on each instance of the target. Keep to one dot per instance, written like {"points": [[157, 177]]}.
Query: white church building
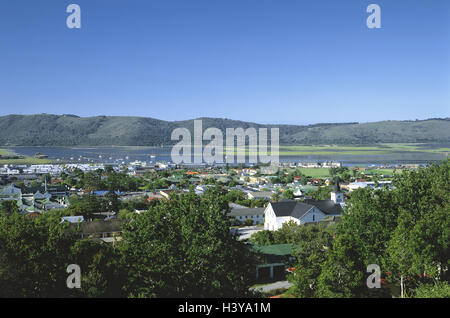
{"points": [[277, 213]]}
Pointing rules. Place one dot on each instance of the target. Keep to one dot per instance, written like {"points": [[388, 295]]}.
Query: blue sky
{"points": [[267, 61]]}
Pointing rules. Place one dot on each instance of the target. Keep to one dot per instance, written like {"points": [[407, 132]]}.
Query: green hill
{"points": [[71, 130]]}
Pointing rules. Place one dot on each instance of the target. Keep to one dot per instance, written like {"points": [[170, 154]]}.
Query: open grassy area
{"points": [[377, 149], [26, 160], [316, 172], [325, 172]]}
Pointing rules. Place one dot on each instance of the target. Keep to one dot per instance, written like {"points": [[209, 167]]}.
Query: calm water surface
{"points": [[114, 155]]}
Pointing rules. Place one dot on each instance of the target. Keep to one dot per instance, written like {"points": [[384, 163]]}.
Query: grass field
{"points": [[378, 149], [25, 161], [325, 172], [349, 150], [316, 172]]}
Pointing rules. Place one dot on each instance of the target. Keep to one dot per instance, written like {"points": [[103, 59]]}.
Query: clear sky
{"points": [[267, 61]]}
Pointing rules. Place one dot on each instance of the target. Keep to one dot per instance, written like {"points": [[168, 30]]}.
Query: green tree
{"points": [[183, 248], [342, 274], [248, 222], [438, 290], [85, 205], [262, 238], [322, 193], [310, 254], [405, 230], [8, 207], [288, 194], [276, 197], [35, 253], [101, 274], [33, 258]]}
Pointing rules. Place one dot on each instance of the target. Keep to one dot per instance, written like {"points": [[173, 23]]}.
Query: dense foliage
{"points": [[405, 230], [178, 248], [183, 248]]}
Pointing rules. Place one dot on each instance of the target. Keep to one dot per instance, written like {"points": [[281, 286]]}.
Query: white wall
{"points": [[258, 218], [313, 215], [273, 223], [270, 219]]}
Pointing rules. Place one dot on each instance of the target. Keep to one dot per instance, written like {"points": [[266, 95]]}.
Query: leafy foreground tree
{"points": [[183, 248], [404, 230], [35, 253], [419, 249], [32, 262], [311, 253], [439, 290]]}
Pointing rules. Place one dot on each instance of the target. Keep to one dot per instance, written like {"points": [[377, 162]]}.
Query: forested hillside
{"points": [[71, 130]]}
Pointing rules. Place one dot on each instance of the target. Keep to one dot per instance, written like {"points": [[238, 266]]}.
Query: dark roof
{"points": [[291, 208], [298, 209], [50, 188], [283, 208], [246, 211], [326, 206]]}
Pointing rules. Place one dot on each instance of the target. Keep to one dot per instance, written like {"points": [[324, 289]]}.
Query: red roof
{"points": [[152, 198], [33, 214]]}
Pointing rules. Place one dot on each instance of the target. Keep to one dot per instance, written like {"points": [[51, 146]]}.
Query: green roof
{"points": [[276, 249], [223, 179]]}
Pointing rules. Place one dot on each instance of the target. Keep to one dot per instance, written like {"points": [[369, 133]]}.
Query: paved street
{"points": [[245, 232], [273, 286]]}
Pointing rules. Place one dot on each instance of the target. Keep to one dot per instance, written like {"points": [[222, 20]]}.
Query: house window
{"points": [[314, 218]]}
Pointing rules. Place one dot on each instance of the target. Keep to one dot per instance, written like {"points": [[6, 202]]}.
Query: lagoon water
{"points": [[115, 155]]}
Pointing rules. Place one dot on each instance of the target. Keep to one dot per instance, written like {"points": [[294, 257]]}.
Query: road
{"points": [[277, 285], [245, 232]]}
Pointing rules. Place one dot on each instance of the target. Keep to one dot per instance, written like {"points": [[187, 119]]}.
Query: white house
{"points": [[277, 213], [242, 214]]}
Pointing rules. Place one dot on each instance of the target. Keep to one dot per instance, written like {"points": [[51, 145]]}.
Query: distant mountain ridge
{"points": [[72, 130]]}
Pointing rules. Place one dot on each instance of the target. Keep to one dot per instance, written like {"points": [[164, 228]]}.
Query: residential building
{"points": [[260, 195], [308, 211], [242, 214], [273, 261]]}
